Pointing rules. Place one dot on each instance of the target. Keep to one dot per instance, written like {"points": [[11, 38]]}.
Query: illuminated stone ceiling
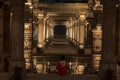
{"points": [[60, 13]]}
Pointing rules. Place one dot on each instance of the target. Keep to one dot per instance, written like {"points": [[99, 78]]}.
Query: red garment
{"points": [[62, 70]]}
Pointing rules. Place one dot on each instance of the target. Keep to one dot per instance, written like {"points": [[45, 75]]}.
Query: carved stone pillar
{"points": [[48, 31], [70, 33], [51, 32], [78, 31], [108, 64], [45, 24], [75, 28], [97, 48], [51, 29], [67, 31], [82, 25], [82, 34], [6, 42], [41, 30], [17, 34], [73, 32]]}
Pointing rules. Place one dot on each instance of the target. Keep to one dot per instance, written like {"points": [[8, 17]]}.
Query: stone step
{"points": [[56, 42], [59, 41], [57, 77]]}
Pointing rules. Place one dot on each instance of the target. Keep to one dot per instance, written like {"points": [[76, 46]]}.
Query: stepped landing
{"points": [[60, 46]]}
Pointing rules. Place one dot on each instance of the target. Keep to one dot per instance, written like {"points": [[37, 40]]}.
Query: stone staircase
{"points": [[60, 42], [60, 46]]}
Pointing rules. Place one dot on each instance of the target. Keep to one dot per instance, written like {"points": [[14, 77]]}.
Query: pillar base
{"points": [[16, 62], [108, 71]]}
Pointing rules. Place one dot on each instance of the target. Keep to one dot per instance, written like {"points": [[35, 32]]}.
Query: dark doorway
{"points": [[60, 31]]}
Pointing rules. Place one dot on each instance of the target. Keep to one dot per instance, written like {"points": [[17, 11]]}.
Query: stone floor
{"points": [[33, 76], [57, 77], [60, 50], [60, 46]]}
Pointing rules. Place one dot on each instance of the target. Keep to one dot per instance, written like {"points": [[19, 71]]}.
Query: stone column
{"points": [[82, 25], [97, 35], [51, 32], [73, 32], [97, 47], [82, 31], [78, 31], [118, 40], [108, 64], [41, 30], [6, 42], [48, 32], [17, 34], [1, 37], [118, 32], [74, 28], [67, 32], [44, 30], [47, 25], [48, 29], [70, 32]]}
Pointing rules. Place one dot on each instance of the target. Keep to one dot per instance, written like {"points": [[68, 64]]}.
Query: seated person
{"points": [[62, 67]]}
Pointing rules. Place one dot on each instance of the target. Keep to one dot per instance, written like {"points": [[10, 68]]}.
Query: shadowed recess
{"points": [[60, 30]]}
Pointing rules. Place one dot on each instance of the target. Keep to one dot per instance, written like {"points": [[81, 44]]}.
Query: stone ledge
{"points": [[57, 77], [34, 76]]}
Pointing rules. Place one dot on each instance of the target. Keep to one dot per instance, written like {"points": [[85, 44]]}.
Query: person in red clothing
{"points": [[62, 67]]}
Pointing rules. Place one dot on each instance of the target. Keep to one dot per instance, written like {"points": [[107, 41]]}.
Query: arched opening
{"points": [[59, 31]]}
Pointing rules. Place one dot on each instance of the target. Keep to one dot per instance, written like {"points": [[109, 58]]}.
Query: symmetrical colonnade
{"points": [[76, 30]]}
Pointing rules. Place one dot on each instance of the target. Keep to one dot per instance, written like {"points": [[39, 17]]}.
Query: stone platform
{"points": [[33, 76]]}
